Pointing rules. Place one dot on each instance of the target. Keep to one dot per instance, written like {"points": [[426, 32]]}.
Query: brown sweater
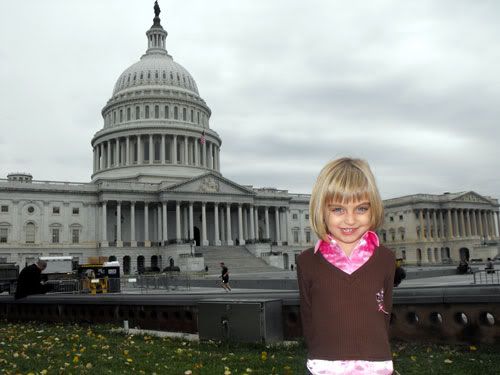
{"points": [[340, 314]]}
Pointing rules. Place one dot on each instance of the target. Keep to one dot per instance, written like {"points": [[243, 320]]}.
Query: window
{"points": [[121, 115], [176, 113], [76, 211], [5, 208], [157, 111], [294, 216], [192, 116], [30, 233], [391, 218], [128, 114], [137, 113], [31, 209], [55, 210], [167, 115], [75, 235], [307, 218], [114, 117], [400, 217], [184, 116], [4, 235], [146, 113], [55, 235], [308, 236], [296, 237]]}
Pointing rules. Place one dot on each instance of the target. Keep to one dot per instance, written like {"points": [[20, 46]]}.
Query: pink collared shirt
{"points": [[332, 252]]}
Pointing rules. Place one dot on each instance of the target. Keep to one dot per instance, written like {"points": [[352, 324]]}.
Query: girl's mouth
{"points": [[347, 230]]}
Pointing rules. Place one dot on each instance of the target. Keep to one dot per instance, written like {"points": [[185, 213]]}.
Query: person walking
{"points": [[225, 277]]}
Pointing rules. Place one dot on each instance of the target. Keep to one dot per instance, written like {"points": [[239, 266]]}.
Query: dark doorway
{"points": [[197, 236]]}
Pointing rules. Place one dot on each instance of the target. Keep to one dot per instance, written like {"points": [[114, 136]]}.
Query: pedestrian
{"points": [[30, 280], [225, 277], [346, 280]]}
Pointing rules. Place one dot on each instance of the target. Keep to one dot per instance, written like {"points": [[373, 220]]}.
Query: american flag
{"points": [[202, 138]]}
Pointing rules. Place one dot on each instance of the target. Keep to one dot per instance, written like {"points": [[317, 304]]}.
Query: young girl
{"points": [[346, 280]]}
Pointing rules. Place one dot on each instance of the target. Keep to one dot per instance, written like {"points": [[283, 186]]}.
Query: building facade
{"points": [[156, 185], [433, 229]]}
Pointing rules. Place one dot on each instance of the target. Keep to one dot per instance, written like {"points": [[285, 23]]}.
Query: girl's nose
{"points": [[349, 218]]}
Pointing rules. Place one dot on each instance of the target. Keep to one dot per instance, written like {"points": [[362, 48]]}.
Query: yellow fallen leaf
{"points": [[448, 360], [472, 348], [413, 358], [76, 359], [129, 360]]}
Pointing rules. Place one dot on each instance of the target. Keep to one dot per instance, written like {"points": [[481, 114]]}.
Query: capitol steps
{"points": [[237, 258]]}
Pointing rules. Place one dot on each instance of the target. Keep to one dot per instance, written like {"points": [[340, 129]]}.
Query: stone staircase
{"points": [[237, 258]]}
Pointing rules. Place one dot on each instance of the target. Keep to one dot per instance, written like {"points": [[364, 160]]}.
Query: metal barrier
{"points": [[491, 277]]}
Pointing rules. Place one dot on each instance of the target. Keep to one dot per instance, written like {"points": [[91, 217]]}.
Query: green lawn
{"points": [[72, 349]]}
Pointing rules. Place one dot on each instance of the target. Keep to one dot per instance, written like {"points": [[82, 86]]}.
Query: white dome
{"points": [[156, 70]]}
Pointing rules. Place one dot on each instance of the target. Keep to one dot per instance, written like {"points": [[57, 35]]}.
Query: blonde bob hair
{"points": [[344, 180]]}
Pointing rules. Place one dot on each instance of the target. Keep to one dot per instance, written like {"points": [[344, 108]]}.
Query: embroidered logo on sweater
{"points": [[380, 301]]}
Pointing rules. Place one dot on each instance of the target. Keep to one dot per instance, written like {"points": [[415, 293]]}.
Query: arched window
{"points": [[111, 258], [128, 113], [126, 264], [154, 261], [137, 113], [192, 116], [121, 115], [184, 116], [167, 115], [140, 264], [30, 233], [146, 111], [157, 111], [176, 113]]}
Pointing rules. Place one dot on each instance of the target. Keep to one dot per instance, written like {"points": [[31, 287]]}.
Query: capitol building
{"points": [[157, 197]]}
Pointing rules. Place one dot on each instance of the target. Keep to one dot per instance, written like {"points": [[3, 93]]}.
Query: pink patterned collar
{"points": [[363, 250]]}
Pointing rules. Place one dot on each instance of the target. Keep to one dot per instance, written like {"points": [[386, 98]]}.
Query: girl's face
{"points": [[347, 222]]}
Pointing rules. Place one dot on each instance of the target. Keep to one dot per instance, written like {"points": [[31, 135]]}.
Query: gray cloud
{"points": [[410, 86]]}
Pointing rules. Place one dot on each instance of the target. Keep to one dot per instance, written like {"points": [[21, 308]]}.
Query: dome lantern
{"points": [[156, 34]]}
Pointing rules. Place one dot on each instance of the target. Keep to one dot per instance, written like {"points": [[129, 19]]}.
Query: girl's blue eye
{"points": [[336, 209], [363, 209]]}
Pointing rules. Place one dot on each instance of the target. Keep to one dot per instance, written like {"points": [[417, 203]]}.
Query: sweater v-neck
{"points": [[353, 276]]}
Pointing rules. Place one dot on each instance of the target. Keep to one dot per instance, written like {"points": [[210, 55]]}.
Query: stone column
{"points": [[222, 226], [462, 223], [480, 222], [165, 227], [119, 242], [178, 221], [133, 242], [117, 151], [210, 156], [186, 151], [455, 223], [216, 225], [228, 218], [240, 226], [163, 150], [204, 240], [204, 154], [257, 237], [94, 168], [450, 224], [108, 154], [486, 225], [101, 156], [185, 218], [492, 224], [428, 225], [421, 222], [139, 150], [474, 223], [277, 220], [174, 150], [196, 153], [441, 224], [266, 220], [498, 224], [159, 223], [151, 149], [191, 223], [467, 224], [252, 222], [147, 242], [104, 242], [245, 223], [127, 151], [288, 226]]}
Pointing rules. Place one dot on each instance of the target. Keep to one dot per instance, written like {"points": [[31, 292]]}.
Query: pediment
{"points": [[471, 197], [211, 183]]}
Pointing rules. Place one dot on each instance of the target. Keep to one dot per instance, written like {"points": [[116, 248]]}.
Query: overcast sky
{"points": [[411, 86]]}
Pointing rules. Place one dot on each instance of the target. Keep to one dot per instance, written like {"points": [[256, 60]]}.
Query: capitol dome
{"points": [[155, 69], [156, 125]]}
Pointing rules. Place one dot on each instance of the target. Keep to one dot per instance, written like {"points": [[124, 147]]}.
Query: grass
{"points": [[39, 348]]}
